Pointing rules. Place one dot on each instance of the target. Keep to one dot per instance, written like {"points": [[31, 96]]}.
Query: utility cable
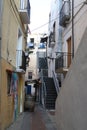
{"points": [[54, 18]]}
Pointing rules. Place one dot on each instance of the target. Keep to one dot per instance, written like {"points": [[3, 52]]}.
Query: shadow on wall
{"points": [[71, 104]]}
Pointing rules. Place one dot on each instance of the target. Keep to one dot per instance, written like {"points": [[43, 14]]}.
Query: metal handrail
{"points": [[45, 94], [56, 82], [43, 88]]}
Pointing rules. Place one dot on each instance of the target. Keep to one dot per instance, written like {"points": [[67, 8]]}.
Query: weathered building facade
{"points": [[14, 20], [69, 62], [71, 101]]}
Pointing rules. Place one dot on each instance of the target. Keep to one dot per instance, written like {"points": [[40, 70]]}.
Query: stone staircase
{"points": [[51, 93]]}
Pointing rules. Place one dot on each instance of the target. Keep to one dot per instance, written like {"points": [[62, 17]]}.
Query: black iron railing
{"points": [[56, 82], [65, 13], [25, 7], [21, 60], [63, 60], [28, 8]]}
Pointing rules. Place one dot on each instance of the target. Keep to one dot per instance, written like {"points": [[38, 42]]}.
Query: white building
{"points": [[54, 46], [37, 49], [71, 102]]}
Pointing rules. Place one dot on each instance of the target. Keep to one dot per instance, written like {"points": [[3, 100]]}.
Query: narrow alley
{"points": [[40, 119], [43, 64]]}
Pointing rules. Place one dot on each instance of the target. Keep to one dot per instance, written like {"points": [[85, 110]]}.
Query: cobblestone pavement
{"points": [[40, 119]]}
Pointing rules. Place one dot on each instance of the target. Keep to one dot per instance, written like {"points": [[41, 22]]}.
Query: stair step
{"points": [[48, 106], [50, 100], [50, 97], [51, 92]]}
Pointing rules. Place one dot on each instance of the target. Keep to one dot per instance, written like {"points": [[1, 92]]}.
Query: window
{"points": [[29, 75], [22, 4], [9, 74], [32, 40]]}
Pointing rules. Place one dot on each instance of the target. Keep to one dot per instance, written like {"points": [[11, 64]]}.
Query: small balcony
{"points": [[62, 62], [65, 14], [21, 61], [25, 12]]}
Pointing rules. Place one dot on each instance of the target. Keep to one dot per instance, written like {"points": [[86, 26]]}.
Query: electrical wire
{"points": [[54, 18], [44, 24]]}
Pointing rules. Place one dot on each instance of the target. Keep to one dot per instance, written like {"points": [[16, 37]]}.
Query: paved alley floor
{"points": [[40, 119]]}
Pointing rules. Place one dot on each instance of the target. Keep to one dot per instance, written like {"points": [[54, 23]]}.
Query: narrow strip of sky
{"points": [[40, 10]]}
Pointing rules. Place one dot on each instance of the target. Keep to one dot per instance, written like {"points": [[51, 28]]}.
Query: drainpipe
{"points": [[59, 48], [1, 6], [72, 28]]}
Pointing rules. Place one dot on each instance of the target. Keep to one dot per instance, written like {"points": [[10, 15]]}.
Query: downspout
{"points": [[1, 6], [72, 28], [59, 49]]}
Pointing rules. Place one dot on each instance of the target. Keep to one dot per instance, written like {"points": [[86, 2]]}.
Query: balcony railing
{"points": [[21, 61], [63, 61], [25, 11], [65, 13]]}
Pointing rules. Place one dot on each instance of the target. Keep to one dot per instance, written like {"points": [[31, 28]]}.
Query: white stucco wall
{"points": [[54, 18], [71, 103], [80, 23]]}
